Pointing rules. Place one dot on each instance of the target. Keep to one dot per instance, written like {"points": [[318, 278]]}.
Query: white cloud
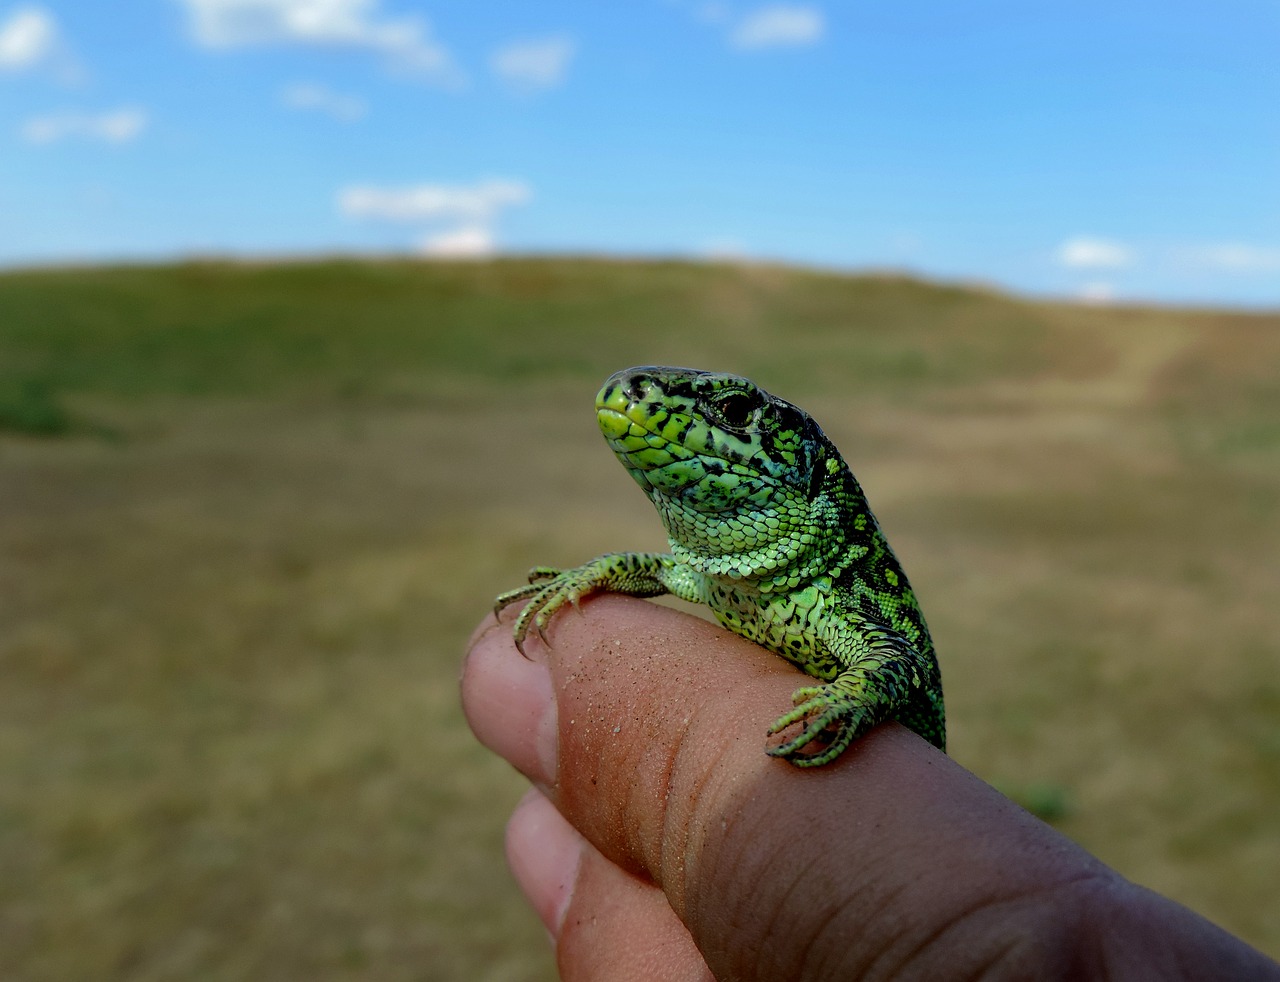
{"points": [[30, 40], [1232, 257], [726, 250], [1088, 253], [1096, 292], [537, 63], [461, 217], [465, 242], [304, 95], [27, 38], [406, 42], [779, 26], [117, 126], [477, 204]]}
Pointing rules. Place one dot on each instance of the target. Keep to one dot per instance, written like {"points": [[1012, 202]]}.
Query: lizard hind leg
{"points": [[887, 679], [829, 717]]}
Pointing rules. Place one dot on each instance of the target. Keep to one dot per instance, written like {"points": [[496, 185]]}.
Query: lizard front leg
{"points": [[637, 574]]}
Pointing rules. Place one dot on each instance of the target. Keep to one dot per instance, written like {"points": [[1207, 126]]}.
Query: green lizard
{"points": [[768, 528]]}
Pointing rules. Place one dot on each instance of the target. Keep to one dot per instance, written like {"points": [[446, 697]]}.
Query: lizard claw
{"points": [[550, 588], [830, 719]]}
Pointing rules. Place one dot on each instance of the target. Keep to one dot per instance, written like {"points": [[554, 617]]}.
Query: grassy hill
{"points": [[251, 512]]}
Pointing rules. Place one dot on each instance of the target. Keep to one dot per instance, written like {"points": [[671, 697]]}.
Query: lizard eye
{"points": [[736, 409]]}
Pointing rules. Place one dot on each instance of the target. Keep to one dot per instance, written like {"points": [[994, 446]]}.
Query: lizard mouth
{"points": [[649, 446], [647, 439], [656, 462], [639, 427], [614, 424]]}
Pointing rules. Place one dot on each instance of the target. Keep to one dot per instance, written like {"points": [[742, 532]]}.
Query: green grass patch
{"points": [[30, 407]]}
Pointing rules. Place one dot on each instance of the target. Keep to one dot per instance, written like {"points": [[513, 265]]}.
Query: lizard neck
{"points": [[779, 545]]}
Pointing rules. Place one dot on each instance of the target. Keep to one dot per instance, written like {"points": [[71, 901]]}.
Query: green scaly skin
{"points": [[768, 528]]}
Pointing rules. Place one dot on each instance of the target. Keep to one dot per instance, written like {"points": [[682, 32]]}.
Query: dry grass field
{"points": [[248, 515]]}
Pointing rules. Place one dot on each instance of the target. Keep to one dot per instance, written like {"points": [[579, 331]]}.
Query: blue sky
{"points": [[1121, 149]]}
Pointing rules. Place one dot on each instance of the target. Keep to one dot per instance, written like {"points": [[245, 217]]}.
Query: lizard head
{"points": [[731, 468]]}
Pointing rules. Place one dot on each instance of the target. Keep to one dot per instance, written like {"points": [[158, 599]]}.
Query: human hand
{"points": [[660, 843]]}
